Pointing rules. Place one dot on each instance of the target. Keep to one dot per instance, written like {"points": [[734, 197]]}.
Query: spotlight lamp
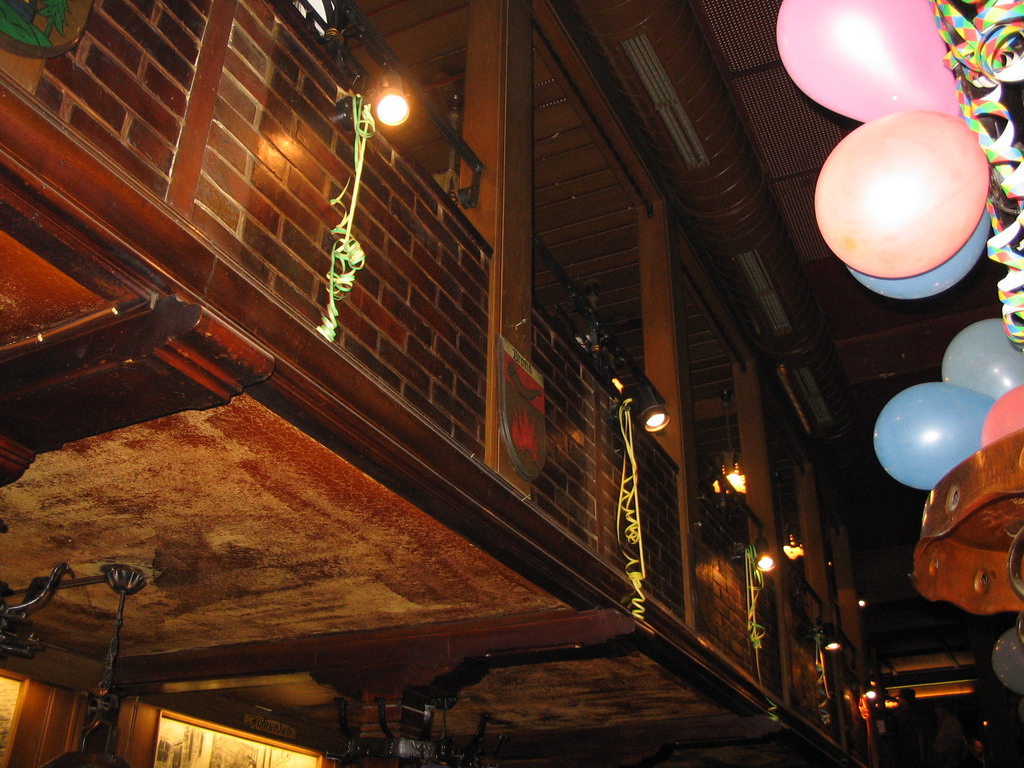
{"points": [[765, 561], [391, 104], [651, 407], [830, 640]]}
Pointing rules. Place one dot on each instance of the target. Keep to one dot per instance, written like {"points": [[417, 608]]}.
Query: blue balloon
{"points": [[1008, 660], [982, 357], [927, 429], [934, 281]]}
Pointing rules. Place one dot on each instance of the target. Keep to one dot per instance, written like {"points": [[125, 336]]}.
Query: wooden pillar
{"points": [[667, 365], [757, 468], [498, 124], [849, 610], [812, 538]]}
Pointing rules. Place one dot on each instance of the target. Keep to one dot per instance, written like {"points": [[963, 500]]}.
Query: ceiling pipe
{"points": [[723, 192]]}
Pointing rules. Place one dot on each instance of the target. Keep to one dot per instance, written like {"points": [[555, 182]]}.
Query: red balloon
{"points": [[901, 194], [1005, 417]]}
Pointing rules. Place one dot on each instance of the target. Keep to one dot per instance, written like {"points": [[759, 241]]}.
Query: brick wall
{"points": [[566, 489], [417, 316], [579, 485], [125, 87], [269, 161], [721, 608]]}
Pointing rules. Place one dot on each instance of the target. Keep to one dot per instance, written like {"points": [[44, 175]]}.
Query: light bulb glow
{"points": [[737, 479], [392, 107], [656, 421]]}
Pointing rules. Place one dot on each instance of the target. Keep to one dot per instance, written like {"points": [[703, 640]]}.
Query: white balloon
{"points": [[1008, 660]]}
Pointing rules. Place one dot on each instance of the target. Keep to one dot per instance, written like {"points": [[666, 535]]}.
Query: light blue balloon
{"points": [[982, 357], [1008, 661], [934, 281], [927, 429]]}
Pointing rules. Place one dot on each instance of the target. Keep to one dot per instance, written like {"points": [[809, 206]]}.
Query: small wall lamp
{"points": [[829, 637], [765, 560], [391, 104], [651, 405]]}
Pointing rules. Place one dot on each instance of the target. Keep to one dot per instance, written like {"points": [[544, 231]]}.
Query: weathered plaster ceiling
{"points": [[249, 530]]}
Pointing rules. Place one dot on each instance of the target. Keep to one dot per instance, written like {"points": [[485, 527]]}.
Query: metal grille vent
{"points": [[745, 32], [791, 136], [795, 198]]}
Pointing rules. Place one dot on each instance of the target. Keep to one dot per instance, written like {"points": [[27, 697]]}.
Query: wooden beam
{"points": [[498, 123], [120, 366], [361, 659], [195, 129]]}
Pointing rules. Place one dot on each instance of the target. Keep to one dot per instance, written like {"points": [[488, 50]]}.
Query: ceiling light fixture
{"points": [[730, 463], [656, 82], [103, 706], [793, 549]]}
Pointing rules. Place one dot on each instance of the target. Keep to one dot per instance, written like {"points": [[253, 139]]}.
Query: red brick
{"points": [[258, 22], [237, 188], [292, 150], [189, 15], [106, 142], [157, 48], [214, 230], [297, 300], [219, 204], [166, 90], [372, 363], [228, 148], [178, 35], [49, 94], [399, 362], [247, 79], [294, 213], [381, 319], [232, 94], [250, 52], [150, 146], [86, 90], [127, 88], [114, 40]]}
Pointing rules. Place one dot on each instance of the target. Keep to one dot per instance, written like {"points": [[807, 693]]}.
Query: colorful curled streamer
{"points": [[824, 713], [756, 632], [984, 53], [627, 518], [755, 583], [347, 255]]}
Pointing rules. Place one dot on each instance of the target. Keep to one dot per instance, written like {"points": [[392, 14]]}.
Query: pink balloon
{"points": [[866, 58], [901, 194], [1005, 417]]}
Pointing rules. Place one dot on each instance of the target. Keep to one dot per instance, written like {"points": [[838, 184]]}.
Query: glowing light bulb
{"points": [[392, 107]]}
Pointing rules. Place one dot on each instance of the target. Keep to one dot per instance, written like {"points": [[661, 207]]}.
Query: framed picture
{"points": [[9, 691], [182, 743]]}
